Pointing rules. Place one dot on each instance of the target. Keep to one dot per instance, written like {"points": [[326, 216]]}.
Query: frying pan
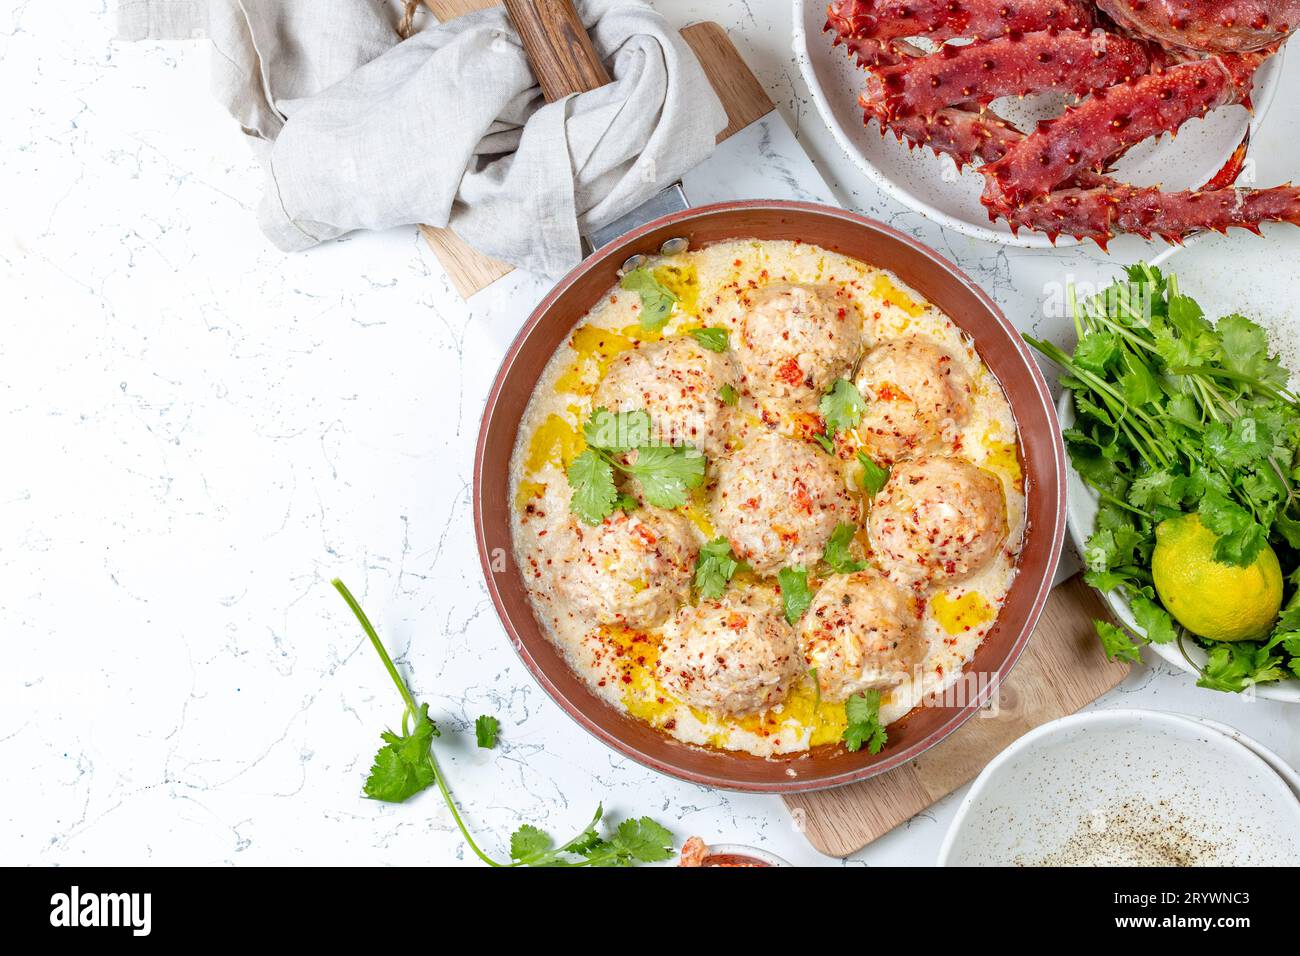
{"points": [[553, 33]]}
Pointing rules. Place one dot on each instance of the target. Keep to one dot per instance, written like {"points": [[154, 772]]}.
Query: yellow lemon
{"points": [[1220, 602]]}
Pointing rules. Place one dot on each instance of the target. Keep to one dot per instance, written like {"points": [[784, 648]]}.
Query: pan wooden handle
{"points": [[558, 48]]}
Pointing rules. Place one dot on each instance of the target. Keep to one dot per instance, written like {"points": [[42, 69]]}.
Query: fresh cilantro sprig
{"points": [[842, 407], [714, 338], [862, 711], [405, 765], [728, 394], [657, 300], [633, 841], [665, 472], [873, 476], [796, 596], [714, 568], [837, 553], [486, 728]]}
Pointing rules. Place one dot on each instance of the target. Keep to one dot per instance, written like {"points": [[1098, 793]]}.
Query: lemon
{"points": [[1220, 602]]}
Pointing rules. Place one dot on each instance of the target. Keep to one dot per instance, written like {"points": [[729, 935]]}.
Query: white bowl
{"points": [[1125, 787], [931, 186]]}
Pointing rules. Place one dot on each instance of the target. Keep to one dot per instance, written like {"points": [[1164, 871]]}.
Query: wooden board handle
{"points": [[558, 48]]}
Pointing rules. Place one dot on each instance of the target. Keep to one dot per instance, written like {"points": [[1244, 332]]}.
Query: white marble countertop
{"points": [[202, 431]]}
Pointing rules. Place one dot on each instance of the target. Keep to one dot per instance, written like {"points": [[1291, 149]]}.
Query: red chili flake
{"points": [[801, 497], [790, 372]]}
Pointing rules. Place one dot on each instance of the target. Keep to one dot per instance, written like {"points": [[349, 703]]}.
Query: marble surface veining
{"points": [[201, 431]]}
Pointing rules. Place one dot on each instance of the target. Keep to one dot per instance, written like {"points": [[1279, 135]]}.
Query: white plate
{"points": [[1126, 787], [1224, 277], [931, 185]]}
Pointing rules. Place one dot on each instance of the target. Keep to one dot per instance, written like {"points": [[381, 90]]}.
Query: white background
{"points": [[199, 431]]}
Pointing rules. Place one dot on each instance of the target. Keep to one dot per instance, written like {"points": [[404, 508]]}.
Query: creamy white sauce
{"points": [[608, 659]]}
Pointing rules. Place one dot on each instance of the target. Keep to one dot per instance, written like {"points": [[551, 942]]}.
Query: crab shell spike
{"points": [[950, 19], [1207, 26], [1058, 60], [1101, 127]]}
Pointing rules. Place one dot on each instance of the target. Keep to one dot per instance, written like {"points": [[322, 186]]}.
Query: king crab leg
{"points": [[947, 19], [1100, 212], [1070, 61], [1217, 26], [1110, 121]]}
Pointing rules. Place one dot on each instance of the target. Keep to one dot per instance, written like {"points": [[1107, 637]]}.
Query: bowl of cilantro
{"points": [[1167, 412]]}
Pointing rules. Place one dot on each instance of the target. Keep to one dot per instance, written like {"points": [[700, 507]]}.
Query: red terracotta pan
{"points": [[1041, 451]]}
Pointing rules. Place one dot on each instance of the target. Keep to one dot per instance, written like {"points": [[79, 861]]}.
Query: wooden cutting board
{"points": [[741, 94], [1061, 670]]}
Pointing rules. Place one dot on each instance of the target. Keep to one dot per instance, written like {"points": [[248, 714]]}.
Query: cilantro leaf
{"points": [[862, 711], [715, 338], [728, 394], [1097, 350], [592, 479], [667, 472], [486, 729], [403, 766], [1236, 666], [842, 406], [837, 553], [1245, 350], [643, 840], [617, 431], [1116, 642], [1245, 441], [1153, 619], [529, 843], [795, 595], [657, 300], [873, 476], [1241, 538], [714, 568], [825, 442]]}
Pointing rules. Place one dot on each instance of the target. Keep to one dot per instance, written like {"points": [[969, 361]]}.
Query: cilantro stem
{"points": [[378, 645], [411, 710]]}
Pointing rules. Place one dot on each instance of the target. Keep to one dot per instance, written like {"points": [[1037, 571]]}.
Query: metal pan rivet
{"points": [[673, 247], [635, 262]]}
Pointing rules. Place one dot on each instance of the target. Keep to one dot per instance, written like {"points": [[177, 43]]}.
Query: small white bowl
{"points": [[930, 185], [740, 849], [1125, 787]]}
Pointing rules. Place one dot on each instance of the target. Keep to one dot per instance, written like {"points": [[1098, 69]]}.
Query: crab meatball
{"points": [[917, 396], [734, 656], [796, 339], [677, 381], [632, 569], [937, 520], [777, 501], [862, 632]]}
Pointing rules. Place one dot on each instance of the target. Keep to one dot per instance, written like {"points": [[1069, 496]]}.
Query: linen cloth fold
{"points": [[357, 130]]}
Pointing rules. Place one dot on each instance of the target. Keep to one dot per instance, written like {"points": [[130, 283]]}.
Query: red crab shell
{"points": [[1138, 68]]}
